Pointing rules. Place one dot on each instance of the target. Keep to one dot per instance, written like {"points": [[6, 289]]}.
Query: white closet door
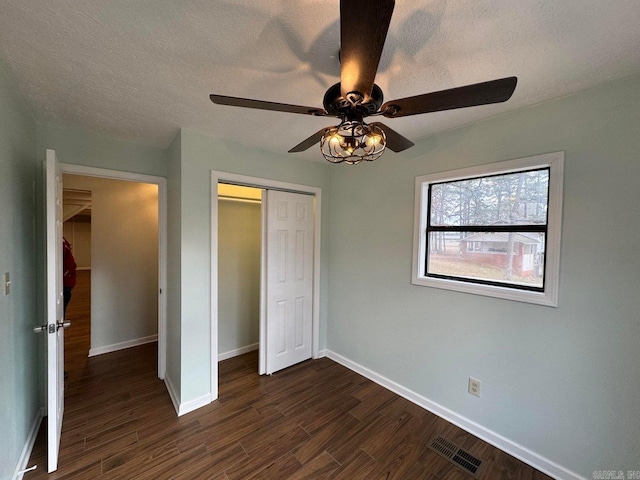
{"points": [[289, 275]]}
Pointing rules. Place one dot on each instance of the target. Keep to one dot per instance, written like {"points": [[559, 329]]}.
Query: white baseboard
{"points": [[186, 407], [194, 404], [238, 351], [122, 345], [28, 447], [520, 452]]}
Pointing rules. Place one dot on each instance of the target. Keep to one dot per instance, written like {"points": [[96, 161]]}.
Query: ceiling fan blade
{"points": [[262, 105], [395, 141], [309, 142], [363, 29], [484, 93]]}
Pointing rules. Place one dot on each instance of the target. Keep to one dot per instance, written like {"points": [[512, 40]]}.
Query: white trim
{"points": [[122, 345], [85, 171], [238, 351], [555, 161], [263, 183], [184, 408], [262, 354], [161, 182], [520, 452], [213, 302], [194, 404], [162, 276], [28, 447]]}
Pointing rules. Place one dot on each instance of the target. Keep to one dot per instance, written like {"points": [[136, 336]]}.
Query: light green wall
{"points": [[562, 382], [239, 239], [76, 146], [200, 155], [20, 348]]}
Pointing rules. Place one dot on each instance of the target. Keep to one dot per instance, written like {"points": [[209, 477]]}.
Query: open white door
{"points": [[55, 304], [289, 275]]}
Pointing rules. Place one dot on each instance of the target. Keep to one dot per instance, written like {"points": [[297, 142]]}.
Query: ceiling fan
{"points": [[363, 30]]}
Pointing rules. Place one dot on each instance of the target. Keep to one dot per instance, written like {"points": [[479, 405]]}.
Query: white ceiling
{"points": [[140, 70]]}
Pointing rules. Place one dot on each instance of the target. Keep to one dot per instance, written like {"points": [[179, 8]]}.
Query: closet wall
{"points": [[239, 236]]}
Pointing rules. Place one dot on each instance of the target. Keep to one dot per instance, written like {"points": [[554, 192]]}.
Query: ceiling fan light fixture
{"points": [[352, 142], [363, 30]]}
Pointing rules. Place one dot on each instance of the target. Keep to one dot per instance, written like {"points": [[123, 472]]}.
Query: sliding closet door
{"points": [[289, 279]]}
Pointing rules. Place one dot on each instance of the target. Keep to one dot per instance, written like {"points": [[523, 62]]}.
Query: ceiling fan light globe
{"points": [[352, 142], [372, 140], [336, 139]]}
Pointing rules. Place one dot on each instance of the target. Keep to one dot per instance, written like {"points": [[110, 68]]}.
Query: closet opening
{"points": [[265, 265], [239, 269]]}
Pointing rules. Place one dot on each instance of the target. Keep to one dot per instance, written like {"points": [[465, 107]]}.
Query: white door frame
{"points": [[161, 182], [263, 183]]}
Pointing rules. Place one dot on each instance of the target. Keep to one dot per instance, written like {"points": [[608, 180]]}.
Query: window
{"points": [[491, 230]]}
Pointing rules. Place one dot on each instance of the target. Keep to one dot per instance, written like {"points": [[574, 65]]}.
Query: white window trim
{"points": [[555, 162]]}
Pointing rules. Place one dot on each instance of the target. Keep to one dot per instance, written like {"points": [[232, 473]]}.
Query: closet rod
{"points": [[239, 199]]}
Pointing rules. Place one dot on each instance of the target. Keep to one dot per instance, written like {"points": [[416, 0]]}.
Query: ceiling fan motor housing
{"points": [[335, 104]]}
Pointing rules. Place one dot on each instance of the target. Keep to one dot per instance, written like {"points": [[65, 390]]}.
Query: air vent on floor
{"points": [[456, 455]]}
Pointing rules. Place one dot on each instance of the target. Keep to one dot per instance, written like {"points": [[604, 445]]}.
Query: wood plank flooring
{"points": [[316, 420]]}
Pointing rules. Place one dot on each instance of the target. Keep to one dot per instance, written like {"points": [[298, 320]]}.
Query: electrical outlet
{"points": [[474, 386], [7, 284]]}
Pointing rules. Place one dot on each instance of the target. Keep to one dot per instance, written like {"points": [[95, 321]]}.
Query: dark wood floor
{"points": [[316, 420]]}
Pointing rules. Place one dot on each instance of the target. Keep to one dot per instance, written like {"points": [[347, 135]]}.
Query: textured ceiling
{"points": [[140, 70]]}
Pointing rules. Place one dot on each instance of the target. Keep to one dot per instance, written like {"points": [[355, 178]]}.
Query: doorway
{"points": [[114, 240], [128, 305], [313, 195]]}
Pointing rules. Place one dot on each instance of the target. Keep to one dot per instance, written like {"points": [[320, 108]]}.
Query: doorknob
{"points": [[45, 328], [64, 324], [51, 328]]}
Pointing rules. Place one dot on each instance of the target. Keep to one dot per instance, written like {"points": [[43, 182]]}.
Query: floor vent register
{"points": [[456, 455]]}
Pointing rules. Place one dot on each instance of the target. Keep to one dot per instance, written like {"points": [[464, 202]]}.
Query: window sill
{"points": [[549, 299]]}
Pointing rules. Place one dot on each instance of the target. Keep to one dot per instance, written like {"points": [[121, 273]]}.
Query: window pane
{"points": [[510, 199], [484, 257]]}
